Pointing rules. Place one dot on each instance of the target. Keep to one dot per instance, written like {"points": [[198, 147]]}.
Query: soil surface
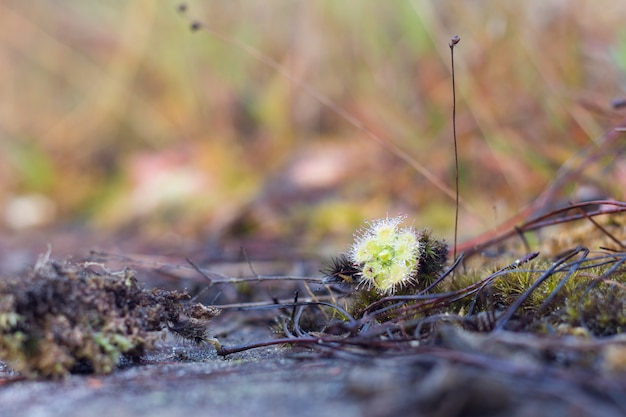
{"points": [[183, 379], [262, 383]]}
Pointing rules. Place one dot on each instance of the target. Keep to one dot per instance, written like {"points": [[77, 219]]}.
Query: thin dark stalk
{"points": [[602, 229], [217, 278], [549, 219], [444, 275], [455, 39]]}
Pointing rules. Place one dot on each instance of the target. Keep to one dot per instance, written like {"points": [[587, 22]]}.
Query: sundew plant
{"points": [[387, 255]]}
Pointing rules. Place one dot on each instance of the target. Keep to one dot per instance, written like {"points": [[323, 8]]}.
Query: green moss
{"points": [[65, 318], [587, 297], [432, 259], [584, 297]]}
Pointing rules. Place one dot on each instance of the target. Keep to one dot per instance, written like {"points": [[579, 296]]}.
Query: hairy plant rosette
{"points": [[387, 256]]}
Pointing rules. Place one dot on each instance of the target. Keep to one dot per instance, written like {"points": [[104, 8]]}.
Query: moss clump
{"points": [[591, 299], [67, 318], [433, 257], [341, 270], [599, 307]]}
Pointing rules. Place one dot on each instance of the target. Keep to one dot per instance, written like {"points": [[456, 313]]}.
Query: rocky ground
{"points": [[182, 380], [462, 374]]}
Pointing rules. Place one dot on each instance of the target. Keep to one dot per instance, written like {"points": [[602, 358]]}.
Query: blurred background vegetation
{"points": [[117, 118]]}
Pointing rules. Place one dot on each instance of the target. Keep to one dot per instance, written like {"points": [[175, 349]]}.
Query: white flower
{"points": [[388, 256]]}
